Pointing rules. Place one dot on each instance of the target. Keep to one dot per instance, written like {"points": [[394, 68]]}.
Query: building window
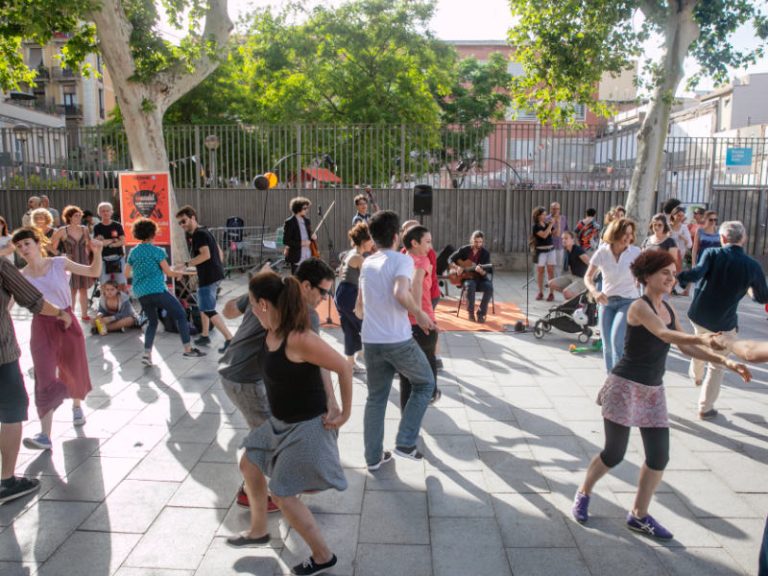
{"points": [[101, 103], [35, 58]]}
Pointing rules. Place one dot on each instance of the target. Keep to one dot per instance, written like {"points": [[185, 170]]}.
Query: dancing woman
{"points": [[346, 292], [296, 447], [633, 393], [76, 244], [58, 353], [613, 259]]}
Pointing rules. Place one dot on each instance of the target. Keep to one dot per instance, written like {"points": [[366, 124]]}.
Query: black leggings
{"points": [[655, 442]]}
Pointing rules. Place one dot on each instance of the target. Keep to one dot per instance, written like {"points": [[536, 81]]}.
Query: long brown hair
{"points": [[285, 295]]}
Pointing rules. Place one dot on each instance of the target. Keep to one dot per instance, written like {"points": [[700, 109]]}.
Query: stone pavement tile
{"points": [[238, 520], [10, 511], [506, 472], [199, 379], [389, 559], [610, 560], [201, 428], [350, 501], [699, 562], [489, 408], [92, 481], [709, 497], [397, 474], [225, 446], [66, 456], [458, 494], [131, 507], [102, 423], [539, 561], [501, 436], [451, 394], [169, 461], [351, 449], [39, 532], [209, 485], [451, 453], [541, 422], [165, 410], [577, 408], [740, 537], [531, 521], [440, 420], [17, 568], [474, 387], [568, 384], [559, 452], [751, 472], [129, 571], [673, 514], [133, 440], [89, 553], [394, 518], [224, 560], [340, 532], [526, 397], [214, 400], [462, 546], [170, 543]]}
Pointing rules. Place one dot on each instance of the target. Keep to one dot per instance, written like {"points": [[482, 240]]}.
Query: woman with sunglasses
{"points": [[707, 236], [296, 449]]}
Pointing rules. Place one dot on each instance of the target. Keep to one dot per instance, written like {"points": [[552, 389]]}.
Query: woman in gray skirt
{"points": [[295, 450]]}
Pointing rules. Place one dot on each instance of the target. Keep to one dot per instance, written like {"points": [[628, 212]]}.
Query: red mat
{"points": [[507, 314]]}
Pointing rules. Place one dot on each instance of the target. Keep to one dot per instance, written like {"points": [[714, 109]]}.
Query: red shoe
{"points": [[551, 297], [85, 318], [271, 506], [539, 296], [242, 501]]}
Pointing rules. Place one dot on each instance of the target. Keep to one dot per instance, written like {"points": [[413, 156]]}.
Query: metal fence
{"points": [[507, 155]]}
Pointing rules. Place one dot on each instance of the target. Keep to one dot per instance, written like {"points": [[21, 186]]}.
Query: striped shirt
{"points": [[13, 284]]}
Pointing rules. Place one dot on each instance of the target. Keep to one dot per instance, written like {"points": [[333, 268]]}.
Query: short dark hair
{"points": [[314, 271], [383, 226], [414, 234], [670, 205], [144, 229], [187, 211], [649, 262], [298, 203], [659, 218], [591, 212], [361, 198]]}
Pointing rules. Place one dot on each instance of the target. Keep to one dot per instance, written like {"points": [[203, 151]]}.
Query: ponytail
{"points": [[285, 295]]}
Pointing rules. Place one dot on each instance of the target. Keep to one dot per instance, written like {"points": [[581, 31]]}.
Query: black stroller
{"points": [[579, 314]]}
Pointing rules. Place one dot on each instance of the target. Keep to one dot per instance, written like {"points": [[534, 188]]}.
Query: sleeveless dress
{"points": [[59, 355], [707, 240], [296, 453], [77, 251]]}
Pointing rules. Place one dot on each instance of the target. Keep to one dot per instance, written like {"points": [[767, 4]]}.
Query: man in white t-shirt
{"points": [[384, 301]]}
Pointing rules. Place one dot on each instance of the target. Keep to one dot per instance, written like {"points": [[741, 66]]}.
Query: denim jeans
{"points": [[382, 361], [484, 285], [428, 344], [613, 328], [151, 304]]}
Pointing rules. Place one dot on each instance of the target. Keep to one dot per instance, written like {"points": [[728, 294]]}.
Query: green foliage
{"points": [[36, 182], [565, 46]]}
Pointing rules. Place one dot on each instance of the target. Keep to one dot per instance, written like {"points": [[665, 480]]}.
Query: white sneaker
{"points": [[357, 369], [146, 359]]}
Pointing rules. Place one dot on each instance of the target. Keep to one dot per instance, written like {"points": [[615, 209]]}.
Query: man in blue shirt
{"points": [[724, 276]]}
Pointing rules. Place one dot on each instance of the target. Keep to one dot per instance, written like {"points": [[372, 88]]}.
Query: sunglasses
{"points": [[712, 219], [323, 292]]}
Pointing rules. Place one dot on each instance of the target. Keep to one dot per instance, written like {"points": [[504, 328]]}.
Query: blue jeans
{"points": [[151, 303], [206, 297], [613, 327], [484, 285], [346, 296], [382, 361]]}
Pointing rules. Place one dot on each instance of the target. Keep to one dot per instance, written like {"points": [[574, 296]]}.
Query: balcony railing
{"points": [[71, 110]]}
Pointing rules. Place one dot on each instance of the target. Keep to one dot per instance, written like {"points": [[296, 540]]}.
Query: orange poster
{"points": [[145, 195]]}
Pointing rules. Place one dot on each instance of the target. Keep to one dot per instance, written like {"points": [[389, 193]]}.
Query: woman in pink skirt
{"points": [[58, 354], [633, 393]]}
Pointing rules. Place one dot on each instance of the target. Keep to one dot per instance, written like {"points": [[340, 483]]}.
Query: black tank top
{"points": [[295, 390], [645, 355]]}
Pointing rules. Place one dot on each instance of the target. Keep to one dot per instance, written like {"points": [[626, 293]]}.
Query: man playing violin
{"points": [[297, 233], [473, 263]]}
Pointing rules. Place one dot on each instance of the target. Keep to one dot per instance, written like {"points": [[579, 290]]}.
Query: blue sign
{"points": [[738, 160]]}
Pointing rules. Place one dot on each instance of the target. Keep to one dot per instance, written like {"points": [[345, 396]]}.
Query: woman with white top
{"points": [[6, 246], [619, 289]]}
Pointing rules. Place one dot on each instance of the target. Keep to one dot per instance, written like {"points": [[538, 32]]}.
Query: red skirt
{"points": [[61, 364]]}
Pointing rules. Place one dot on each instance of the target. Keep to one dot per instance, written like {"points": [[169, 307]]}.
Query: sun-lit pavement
{"points": [[147, 486]]}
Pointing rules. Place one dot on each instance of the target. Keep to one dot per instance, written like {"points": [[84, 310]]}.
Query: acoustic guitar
{"points": [[465, 270]]}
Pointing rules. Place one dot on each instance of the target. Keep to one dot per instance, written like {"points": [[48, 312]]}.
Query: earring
{"points": [[264, 308]]}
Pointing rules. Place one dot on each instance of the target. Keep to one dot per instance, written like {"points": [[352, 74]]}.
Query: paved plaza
{"points": [[147, 486]]}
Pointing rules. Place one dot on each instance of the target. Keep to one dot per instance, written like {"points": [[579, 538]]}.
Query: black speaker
{"points": [[422, 199]]}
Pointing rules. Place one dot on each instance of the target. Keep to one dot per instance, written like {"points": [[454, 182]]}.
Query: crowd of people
{"points": [[277, 370]]}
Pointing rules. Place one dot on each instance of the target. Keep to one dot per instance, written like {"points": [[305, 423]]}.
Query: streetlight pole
{"points": [[212, 143], [21, 132]]}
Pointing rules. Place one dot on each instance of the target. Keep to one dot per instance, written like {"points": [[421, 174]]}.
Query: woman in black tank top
{"points": [[633, 394], [295, 450]]}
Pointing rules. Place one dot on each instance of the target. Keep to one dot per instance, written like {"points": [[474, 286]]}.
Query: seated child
{"points": [[115, 309]]}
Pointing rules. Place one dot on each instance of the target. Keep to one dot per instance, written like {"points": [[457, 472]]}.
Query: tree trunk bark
{"points": [[681, 31]]}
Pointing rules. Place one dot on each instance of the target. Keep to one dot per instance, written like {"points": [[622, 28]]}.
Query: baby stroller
{"points": [[578, 314]]}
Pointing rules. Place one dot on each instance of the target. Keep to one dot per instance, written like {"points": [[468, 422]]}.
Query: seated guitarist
{"points": [[473, 263]]}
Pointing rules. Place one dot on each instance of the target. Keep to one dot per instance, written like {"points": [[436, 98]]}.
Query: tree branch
{"points": [[177, 81], [111, 22], [653, 11]]}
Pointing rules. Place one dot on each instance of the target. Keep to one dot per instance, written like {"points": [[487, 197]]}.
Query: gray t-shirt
{"points": [[243, 359]]}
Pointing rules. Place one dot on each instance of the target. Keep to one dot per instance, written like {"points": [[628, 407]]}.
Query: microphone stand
{"points": [[331, 249]]}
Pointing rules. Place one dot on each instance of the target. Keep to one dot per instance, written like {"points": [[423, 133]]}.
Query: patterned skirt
{"points": [[296, 457], [633, 404]]}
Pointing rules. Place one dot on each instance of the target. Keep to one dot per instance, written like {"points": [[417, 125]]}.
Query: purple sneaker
{"points": [[648, 526], [580, 509]]}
